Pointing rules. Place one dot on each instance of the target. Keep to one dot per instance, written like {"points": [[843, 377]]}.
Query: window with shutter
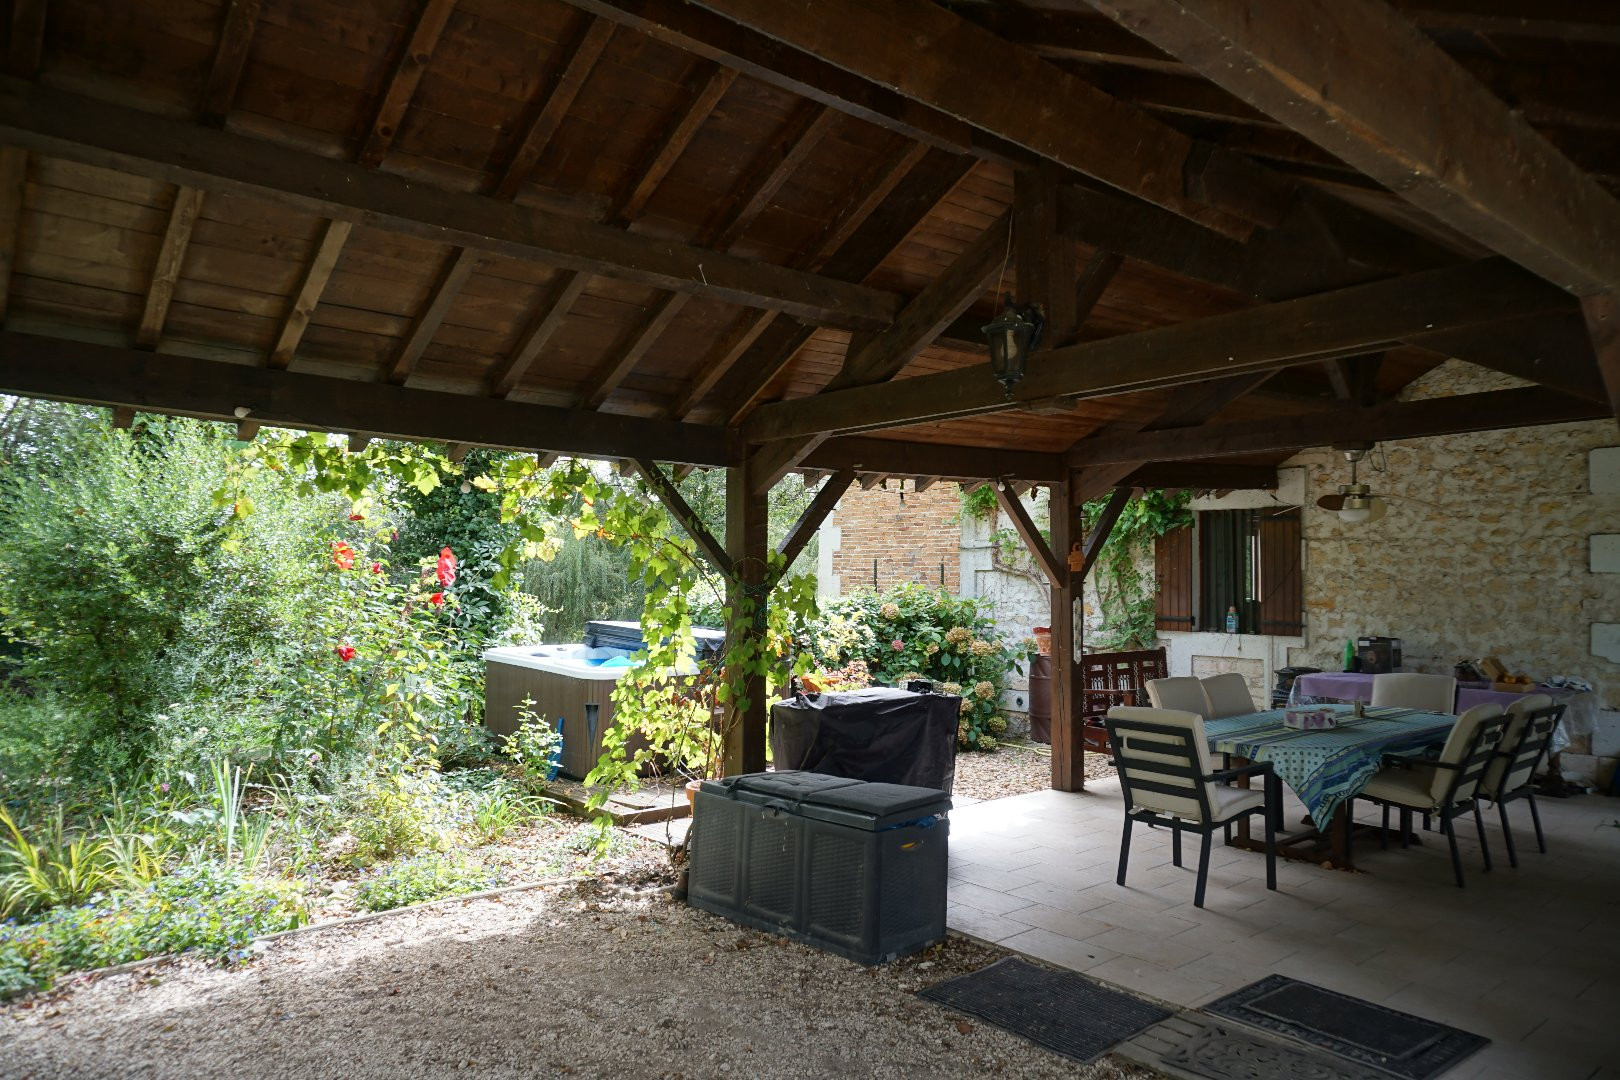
{"points": [[1246, 559]]}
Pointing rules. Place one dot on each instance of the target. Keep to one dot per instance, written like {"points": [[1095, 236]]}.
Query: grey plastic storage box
{"points": [[852, 867]]}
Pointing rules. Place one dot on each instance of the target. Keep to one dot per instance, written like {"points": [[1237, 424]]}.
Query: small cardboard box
{"points": [[1309, 719], [1493, 669]]}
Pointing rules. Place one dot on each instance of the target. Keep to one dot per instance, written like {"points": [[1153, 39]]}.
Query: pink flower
{"points": [[376, 568], [342, 555], [437, 599], [899, 646], [446, 568], [345, 653]]}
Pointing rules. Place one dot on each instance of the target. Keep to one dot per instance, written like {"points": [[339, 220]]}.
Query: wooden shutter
{"points": [[1279, 585], [1173, 579]]}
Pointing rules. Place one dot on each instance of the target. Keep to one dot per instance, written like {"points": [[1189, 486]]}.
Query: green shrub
{"points": [[421, 878], [533, 746], [912, 631], [391, 813], [213, 909], [50, 869]]}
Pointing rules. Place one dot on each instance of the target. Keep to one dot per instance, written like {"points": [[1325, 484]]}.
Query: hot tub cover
{"points": [[880, 734]]}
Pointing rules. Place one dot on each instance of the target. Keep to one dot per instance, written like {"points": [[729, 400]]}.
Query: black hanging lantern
{"points": [[1013, 336]]}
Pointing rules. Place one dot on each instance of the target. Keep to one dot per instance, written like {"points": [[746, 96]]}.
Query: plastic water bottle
{"points": [[1231, 620]]}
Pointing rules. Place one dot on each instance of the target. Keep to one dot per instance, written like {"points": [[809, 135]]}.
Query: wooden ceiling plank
{"points": [[317, 272], [804, 529], [679, 138], [396, 97], [681, 510], [921, 49], [1034, 542], [1487, 411], [548, 114], [618, 368], [458, 268], [26, 47], [553, 310], [1339, 323], [1602, 314], [144, 144], [13, 178], [1344, 74], [166, 271], [69, 370], [230, 58]]}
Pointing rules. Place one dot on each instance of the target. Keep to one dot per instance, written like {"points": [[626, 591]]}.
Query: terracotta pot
{"points": [[1043, 640], [692, 787]]}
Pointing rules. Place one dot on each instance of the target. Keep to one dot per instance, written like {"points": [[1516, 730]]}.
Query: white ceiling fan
{"points": [[1355, 503]]}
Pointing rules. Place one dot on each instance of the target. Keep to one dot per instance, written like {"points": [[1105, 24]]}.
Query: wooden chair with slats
{"points": [[1108, 679]]}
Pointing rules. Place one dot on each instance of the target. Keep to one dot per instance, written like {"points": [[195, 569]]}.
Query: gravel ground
{"points": [[594, 979], [1016, 768]]}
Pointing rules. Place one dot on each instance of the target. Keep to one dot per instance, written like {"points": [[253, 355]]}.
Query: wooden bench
{"points": [[1113, 678]]}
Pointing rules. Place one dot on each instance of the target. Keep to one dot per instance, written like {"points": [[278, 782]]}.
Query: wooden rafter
{"points": [[1007, 498], [13, 176], [334, 234], [166, 271], [1344, 73], [549, 113], [415, 54], [458, 268], [876, 358], [69, 370], [676, 504], [553, 310], [1560, 20], [26, 46], [1524, 407], [230, 58], [1339, 323], [680, 136], [145, 144], [804, 135], [921, 50]]}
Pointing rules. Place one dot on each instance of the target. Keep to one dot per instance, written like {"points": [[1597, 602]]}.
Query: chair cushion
{"points": [[1231, 801], [1182, 693], [1227, 694], [1404, 787]]}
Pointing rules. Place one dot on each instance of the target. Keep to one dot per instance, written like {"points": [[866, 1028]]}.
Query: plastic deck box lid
{"points": [[855, 803]]}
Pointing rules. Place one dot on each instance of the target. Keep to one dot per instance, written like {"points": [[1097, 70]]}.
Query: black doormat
{"points": [[1061, 1010], [1400, 1043]]}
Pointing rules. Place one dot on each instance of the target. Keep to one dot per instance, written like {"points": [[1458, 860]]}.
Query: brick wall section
{"points": [[909, 539]]}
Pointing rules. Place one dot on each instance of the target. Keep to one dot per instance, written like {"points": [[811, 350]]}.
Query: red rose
{"points": [[437, 599], [446, 568], [376, 568], [342, 555], [357, 517], [345, 653]]}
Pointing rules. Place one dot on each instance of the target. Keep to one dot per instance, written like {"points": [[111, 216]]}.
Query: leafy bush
{"points": [[390, 812], [213, 909], [534, 746], [421, 878], [912, 631]]}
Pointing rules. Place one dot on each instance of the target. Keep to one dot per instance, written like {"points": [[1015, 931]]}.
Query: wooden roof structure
{"points": [[690, 232]]}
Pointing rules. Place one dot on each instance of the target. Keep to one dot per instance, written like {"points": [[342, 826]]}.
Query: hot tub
{"points": [[570, 685]]}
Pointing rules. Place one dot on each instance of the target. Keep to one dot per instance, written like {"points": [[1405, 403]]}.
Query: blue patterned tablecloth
{"points": [[1327, 767]]}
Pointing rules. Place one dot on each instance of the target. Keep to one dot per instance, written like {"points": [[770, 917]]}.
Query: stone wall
{"points": [[1486, 550]]}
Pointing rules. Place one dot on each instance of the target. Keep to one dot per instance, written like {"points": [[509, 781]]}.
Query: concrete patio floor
{"points": [[1529, 958]]}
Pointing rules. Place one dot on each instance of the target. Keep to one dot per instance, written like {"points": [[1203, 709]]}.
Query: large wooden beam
{"points": [[1560, 20], [1602, 314], [162, 382], [1340, 323], [1490, 411], [810, 521], [1345, 74], [922, 50], [1007, 498], [1202, 476], [13, 176], [947, 461], [26, 46], [414, 55], [676, 504], [112, 136], [166, 270], [1554, 351]]}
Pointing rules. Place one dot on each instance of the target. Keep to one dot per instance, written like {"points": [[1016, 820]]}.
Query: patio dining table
{"points": [[1327, 767]]}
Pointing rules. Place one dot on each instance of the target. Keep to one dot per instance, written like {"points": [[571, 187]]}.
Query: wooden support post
{"points": [[1068, 748], [1602, 313], [747, 545]]}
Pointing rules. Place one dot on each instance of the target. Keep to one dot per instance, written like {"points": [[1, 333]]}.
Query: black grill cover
{"points": [[881, 735]]}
